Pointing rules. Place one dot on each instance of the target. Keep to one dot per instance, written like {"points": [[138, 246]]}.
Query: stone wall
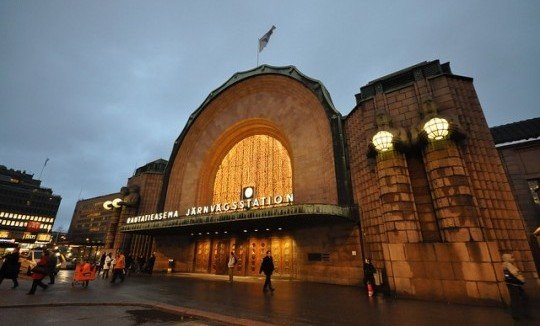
{"points": [[424, 195], [341, 242], [459, 272]]}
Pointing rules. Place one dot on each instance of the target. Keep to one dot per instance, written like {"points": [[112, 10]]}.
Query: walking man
{"points": [[267, 266], [52, 267], [11, 266], [118, 268], [232, 262]]}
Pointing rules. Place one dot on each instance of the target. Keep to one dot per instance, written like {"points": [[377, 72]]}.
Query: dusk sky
{"points": [[102, 87]]}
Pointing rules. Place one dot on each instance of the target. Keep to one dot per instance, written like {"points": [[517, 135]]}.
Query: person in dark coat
{"points": [[101, 263], [52, 267], [39, 273], [519, 300], [369, 271], [141, 262], [150, 263], [267, 266], [10, 268]]}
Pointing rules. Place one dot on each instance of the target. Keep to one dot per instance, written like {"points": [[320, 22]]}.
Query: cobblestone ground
{"points": [[293, 303]]}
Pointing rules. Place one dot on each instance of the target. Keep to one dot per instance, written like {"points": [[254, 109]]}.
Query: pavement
{"points": [[196, 299]]}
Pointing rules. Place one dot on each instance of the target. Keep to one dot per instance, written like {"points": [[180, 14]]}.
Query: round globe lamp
{"points": [[383, 141], [437, 128]]}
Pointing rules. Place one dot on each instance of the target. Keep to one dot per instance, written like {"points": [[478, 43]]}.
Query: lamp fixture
{"points": [[437, 128], [383, 141]]}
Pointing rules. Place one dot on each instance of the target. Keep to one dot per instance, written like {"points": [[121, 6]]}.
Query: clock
{"points": [[248, 192]]}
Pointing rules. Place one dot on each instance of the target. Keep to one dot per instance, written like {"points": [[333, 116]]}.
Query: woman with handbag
{"points": [[39, 272]]}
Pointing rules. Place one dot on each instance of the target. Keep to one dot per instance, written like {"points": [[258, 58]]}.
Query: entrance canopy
{"points": [[275, 217]]}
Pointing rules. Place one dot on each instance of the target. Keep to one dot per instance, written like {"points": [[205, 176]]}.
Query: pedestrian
{"points": [[101, 263], [519, 301], [52, 267], [106, 266], [118, 267], [86, 271], [10, 268], [232, 262], [267, 266], [39, 272], [150, 263], [369, 276], [141, 262], [129, 264]]}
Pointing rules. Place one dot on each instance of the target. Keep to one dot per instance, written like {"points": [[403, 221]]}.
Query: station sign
{"points": [[244, 204]]}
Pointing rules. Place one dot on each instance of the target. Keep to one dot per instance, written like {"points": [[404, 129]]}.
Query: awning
{"points": [[311, 214]]}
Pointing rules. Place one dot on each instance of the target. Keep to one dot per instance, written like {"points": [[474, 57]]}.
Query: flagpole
{"points": [[41, 172]]}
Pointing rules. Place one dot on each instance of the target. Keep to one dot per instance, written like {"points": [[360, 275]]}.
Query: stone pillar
{"points": [[398, 210], [111, 232], [130, 205], [452, 194]]}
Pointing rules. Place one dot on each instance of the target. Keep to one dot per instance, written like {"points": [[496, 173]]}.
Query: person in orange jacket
{"points": [[39, 273], [119, 267], [86, 270]]}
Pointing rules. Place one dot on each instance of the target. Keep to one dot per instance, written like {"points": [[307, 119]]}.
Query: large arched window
{"points": [[259, 161]]}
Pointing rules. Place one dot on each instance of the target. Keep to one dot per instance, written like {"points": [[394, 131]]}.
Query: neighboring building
{"points": [[410, 178], [148, 179], [96, 221], [91, 223], [518, 144], [27, 211]]}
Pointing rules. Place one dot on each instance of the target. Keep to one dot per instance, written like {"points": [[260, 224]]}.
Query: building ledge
{"points": [[283, 215]]}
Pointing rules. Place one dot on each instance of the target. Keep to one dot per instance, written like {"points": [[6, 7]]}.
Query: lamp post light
{"points": [[383, 141], [437, 128]]}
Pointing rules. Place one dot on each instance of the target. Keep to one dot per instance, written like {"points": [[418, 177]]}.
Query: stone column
{"points": [[398, 210], [452, 194]]}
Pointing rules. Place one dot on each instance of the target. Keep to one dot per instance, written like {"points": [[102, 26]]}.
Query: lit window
{"points": [[436, 128], [383, 141]]}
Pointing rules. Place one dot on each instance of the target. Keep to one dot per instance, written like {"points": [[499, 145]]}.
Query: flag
{"points": [[47, 160], [266, 37]]}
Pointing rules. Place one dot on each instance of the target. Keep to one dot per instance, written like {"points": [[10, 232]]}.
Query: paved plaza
{"points": [[189, 299]]}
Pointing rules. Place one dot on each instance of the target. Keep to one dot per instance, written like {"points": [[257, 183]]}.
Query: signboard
{"points": [[44, 237], [33, 226], [28, 237], [241, 205], [4, 234]]}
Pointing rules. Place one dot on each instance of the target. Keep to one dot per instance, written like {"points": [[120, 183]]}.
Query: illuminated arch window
{"points": [[259, 161]]}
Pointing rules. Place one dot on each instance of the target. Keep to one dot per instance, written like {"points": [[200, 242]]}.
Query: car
{"points": [[29, 259]]}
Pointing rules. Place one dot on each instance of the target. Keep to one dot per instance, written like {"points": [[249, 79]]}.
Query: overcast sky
{"points": [[102, 87]]}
